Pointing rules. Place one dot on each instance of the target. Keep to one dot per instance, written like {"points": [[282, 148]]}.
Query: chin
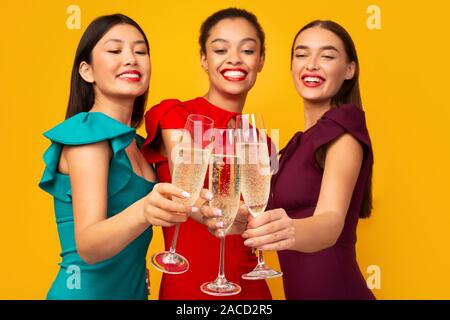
{"points": [[131, 93], [236, 90]]}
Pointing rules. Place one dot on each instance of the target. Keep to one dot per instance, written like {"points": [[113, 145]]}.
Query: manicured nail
{"points": [[194, 209], [209, 196], [185, 194], [245, 235], [219, 224], [248, 243], [221, 234], [217, 212]]}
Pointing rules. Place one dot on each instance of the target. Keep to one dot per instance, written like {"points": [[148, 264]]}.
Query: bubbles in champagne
{"points": [[255, 179], [189, 172], [224, 184]]}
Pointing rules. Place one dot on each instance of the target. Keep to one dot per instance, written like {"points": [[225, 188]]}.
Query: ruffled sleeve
{"points": [[343, 119], [169, 114], [81, 129]]}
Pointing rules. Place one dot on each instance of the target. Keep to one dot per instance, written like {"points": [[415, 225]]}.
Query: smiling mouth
{"points": [[132, 76], [312, 81], [234, 74]]}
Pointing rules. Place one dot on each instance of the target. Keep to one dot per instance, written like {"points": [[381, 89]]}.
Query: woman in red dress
{"points": [[232, 54]]}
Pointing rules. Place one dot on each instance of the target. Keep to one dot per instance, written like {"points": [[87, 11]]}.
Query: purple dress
{"points": [[332, 273]]}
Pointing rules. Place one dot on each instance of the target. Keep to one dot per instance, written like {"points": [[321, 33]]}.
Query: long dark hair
{"points": [[82, 95], [348, 93], [230, 13]]}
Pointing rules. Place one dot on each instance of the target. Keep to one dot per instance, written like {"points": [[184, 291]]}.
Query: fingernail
{"points": [[194, 209], [209, 196], [248, 243], [245, 235], [219, 224], [185, 194], [221, 234], [217, 212]]}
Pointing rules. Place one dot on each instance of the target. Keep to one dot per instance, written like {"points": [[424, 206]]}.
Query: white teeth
{"points": [[129, 75], [312, 79], [234, 74]]}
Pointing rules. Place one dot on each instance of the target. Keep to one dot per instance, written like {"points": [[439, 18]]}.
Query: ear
{"points": [[204, 62], [85, 71], [350, 73], [261, 62]]}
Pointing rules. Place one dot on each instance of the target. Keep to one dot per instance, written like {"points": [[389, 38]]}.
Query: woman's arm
{"points": [[274, 230], [97, 237]]}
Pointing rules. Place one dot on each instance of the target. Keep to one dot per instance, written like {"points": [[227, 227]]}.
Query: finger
{"points": [[265, 229], [161, 223], [168, 190], [285, 244], [155, 213], [213, 224], [205, 194], [209, 212], [264, 239], [262, 219], [217, 233], [169, 205]]}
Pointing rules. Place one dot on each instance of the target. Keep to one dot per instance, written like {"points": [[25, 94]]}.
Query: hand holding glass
{"points": [[190, 157], [252, 149]]}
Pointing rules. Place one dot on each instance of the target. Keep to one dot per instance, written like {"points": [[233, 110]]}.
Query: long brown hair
{"points": [[349, 93], [82, 96]]}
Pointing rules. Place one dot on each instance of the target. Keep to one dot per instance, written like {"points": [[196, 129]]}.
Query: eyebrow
{"points": [[243, 40], [321, 48], [120, 41]]}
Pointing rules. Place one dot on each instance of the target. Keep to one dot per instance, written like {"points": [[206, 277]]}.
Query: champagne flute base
{"points": [[170, 262], [220, 287], [262, 271]]}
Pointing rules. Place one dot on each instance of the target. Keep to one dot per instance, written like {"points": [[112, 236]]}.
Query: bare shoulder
{"points": [[89, 155]]}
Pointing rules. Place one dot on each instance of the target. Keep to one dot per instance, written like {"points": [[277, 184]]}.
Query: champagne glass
{"points": [[224, 184], [252, 148], [190, 158]]}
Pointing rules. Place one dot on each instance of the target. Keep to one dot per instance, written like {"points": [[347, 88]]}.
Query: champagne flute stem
{"points": [[260, 258], [173, 246], [221, 276]]}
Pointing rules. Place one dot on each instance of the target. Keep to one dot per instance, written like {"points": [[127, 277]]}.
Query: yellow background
{"points": [[404, 82]]}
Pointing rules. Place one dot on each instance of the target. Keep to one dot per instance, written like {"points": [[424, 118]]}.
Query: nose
{"points": [[312, 64], [234, 58], [129, 58]]}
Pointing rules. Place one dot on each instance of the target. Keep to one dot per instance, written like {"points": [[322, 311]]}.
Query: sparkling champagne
{"points": [[224, 184], [189, 172], [255, 175]]}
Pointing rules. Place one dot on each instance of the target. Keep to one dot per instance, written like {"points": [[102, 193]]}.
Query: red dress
{"points": [[194, 240]]}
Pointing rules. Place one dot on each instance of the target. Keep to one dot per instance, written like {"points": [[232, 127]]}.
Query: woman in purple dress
{"points": [[323, 185]]}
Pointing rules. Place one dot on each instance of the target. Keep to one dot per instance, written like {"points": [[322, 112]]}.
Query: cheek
{"points": [[104, 67], [337, 77], [213, 61], [253, 63]]}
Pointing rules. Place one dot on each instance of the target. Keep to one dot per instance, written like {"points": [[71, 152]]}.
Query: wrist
{"points": [[141, 216]]}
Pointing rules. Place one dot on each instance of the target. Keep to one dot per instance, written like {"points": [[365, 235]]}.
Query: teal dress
{"points": [[122, 276]]}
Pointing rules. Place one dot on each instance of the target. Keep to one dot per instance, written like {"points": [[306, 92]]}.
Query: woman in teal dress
{"points": [[106, 197]]}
